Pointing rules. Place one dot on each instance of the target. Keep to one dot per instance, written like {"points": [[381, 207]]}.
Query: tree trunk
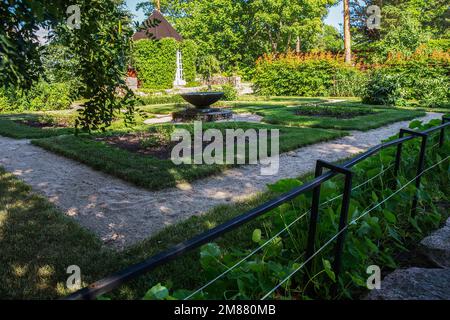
{"points": [[347, 35], [297, 45], [272, 42], [288, 43]]}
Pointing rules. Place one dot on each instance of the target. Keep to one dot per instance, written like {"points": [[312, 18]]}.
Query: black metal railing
{"points": [[110, 283]]}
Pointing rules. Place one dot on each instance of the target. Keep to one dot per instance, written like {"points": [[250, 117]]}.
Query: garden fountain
{"points": [[202, 110]]}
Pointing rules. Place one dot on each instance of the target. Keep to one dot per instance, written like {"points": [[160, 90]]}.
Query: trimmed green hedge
{"points": [[155, 61], [310, 75], [189, 52], [41, 97], [164, 99]]}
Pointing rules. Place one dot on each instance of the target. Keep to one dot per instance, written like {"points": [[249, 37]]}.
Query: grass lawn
{"points": [[153, 173], [38, 243], [12, 126], [377, 118], [271, 108]]}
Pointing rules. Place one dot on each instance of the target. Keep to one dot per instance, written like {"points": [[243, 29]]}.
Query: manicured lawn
{"points": [[153, 173], [167, 108], [38, 244], [271, 108], [11, 126], [379, 117]]}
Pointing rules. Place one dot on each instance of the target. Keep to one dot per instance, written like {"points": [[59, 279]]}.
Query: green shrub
{"points": [[150, 142], [320, 74], [348, 82], [383, 89], [192, 84], [4, 101], [41, 97], [45, 96], [423, 78], [155, 61], [230, 93], [434, 93]]}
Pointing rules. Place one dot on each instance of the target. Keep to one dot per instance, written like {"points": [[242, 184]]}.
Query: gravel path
{"points": [[122, 214]]}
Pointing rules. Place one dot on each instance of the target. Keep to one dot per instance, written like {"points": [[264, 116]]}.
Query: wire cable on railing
{"points": [[346, 227], [282, 231], [246, 257], [278, 234]]}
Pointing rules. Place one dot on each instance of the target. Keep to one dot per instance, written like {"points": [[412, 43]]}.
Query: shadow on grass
{"points": [[26, 126], [37, 244]]}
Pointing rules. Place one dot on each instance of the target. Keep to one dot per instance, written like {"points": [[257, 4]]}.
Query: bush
{"points": [[45, 96], [189, 52], [41, 97], [383, 89], [422, 77], [155, 61], [4, 101], [318, 74], [348, 82], [230, 93]]}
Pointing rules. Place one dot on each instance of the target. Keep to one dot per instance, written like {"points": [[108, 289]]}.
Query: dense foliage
{"points": [[100, 48], [230, 92], [423, 77], [42, 96], [316, 74], [237, 32], [405, 25], [20, 61], [155, 61], [208, 65]]}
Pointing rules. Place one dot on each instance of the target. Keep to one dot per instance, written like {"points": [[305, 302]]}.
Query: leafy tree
{"points": [[330, 40], [100, 47], [208, 65], [20, 51], [237, 32], [58, 63], [282, 21], [405, 25]]}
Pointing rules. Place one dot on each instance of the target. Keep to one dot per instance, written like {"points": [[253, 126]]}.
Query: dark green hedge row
{"points": [[163, 99], [155, 61]]}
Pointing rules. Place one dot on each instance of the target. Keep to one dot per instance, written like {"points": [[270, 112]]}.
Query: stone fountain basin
{"points": [[202, 100]]}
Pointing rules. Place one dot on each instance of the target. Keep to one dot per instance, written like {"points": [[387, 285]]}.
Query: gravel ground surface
{"points": [[122, 214]]}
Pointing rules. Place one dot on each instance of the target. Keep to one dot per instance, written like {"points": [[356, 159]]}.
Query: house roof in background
{"points": [[163, 30]]}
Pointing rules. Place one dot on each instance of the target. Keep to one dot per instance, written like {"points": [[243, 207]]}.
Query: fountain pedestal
{"points": [[202, 111]]}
